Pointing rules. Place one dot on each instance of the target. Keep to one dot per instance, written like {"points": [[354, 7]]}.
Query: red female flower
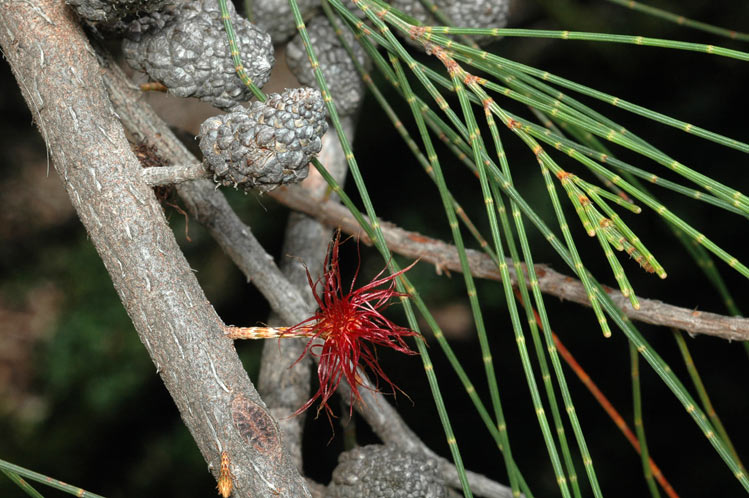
{"points": [[350, 326]]}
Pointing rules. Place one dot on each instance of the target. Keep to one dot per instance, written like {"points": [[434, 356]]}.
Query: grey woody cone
{"points": [[377, 471], [276, 18], [112, 14], [268, 144], [187, 50], [462, 13], [344, 83]]}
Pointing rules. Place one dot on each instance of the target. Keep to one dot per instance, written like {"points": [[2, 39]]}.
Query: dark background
{"points": [[79, 397]]}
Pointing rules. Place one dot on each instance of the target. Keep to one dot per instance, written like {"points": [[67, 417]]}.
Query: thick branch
{"points": [[445, 257], [60, 78]]}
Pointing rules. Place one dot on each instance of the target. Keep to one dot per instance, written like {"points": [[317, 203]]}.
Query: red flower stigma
{"points": [[350, 325]]}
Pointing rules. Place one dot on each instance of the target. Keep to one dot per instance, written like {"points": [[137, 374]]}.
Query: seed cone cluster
{"points": [[112, 14], [268, 144], [377, 471], [276, 18], [186, 49], [344, 83], [462, 13]]}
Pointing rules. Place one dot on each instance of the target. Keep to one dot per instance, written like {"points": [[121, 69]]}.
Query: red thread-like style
{"points": [[351, 325]]}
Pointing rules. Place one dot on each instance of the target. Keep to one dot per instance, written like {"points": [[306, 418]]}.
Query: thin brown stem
{"points": [[445, 258]]}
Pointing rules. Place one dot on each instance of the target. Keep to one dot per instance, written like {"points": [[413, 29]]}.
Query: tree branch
{"points": [[60, 79], [445, 257]]}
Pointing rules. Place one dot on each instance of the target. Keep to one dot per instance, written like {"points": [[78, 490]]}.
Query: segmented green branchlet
{"points": [[650, 355], [655, 361], [458, 239], [673, 383], [650, 202], [22, 484], [547, 122], [238, 66], [376, 235], [444, 19], [698, 253], [507, 64], [707, 405], [703, 260], [627, 291], [454, 119], [555, 460], [645, 349], [545, 375], [566, 145], [430, 31], [727, 193], [539, 302], [681, 20], [375, 231], [545, 162], [585, 113], [443, 129], [574, 152], [448, 111], [568, 402], [49, 481], [615, 135], [639, 426], [601, 228], [397, 123], [553, 240]]}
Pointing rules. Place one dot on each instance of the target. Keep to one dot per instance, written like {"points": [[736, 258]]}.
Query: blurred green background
{"points": [[80, 399]]}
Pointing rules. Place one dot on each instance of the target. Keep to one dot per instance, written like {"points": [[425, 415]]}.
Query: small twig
{"points": [[171, 175]]}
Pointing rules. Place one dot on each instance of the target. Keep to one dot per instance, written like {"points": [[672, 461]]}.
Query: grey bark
{"points": [[60, 79]]}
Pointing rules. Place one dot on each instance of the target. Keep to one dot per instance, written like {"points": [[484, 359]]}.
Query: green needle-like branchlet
{"points": [[681, 20], [639, 426], [8, 467]]}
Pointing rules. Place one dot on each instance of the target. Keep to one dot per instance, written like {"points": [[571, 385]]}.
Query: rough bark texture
{"points": [[60, 78]]}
